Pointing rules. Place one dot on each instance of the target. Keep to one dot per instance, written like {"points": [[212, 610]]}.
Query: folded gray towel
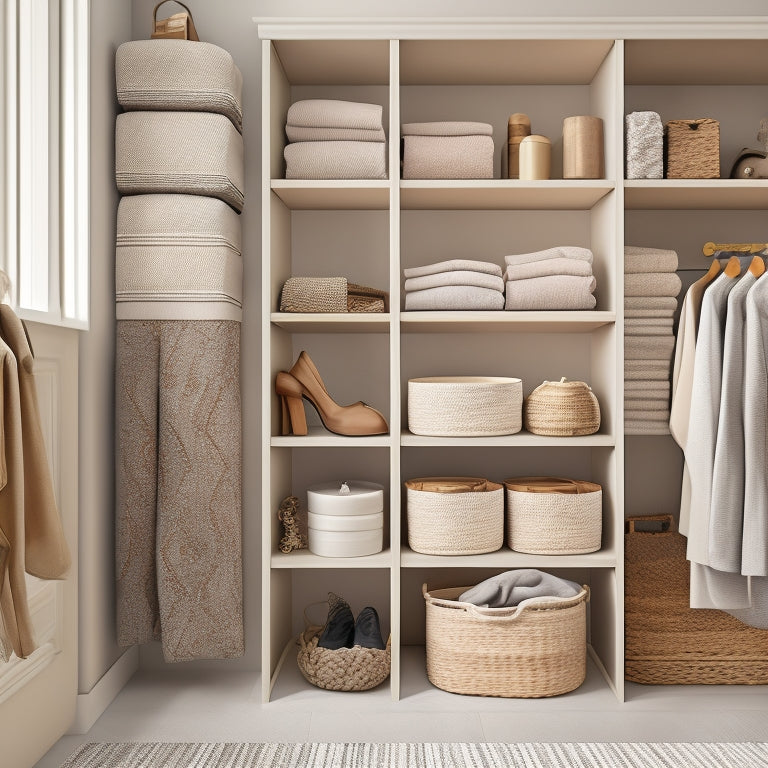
{"points": [[646, 414], [558, 252], [647, 330], [650, 404], [652, 284], [650, 302], [647, 370], [649, 347], [640, 322], [645, 427], [552, 292], [300, 133], [660, 314], [454, 265], [460, 277], [446, 297], [447, 128], [335, 160], [643, 260], [559, 266], [334, 113], [510, 588], [639, 388]]}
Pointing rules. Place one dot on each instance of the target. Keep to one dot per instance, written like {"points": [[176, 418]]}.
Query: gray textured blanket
{"points": [[512, 587]]}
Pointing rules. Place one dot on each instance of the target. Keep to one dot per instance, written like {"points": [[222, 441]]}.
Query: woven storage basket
{"points": [[692, 149], [465, 406], [562, 409], [667, 642], [454, 515], [343, 669], [537, 649], [553, 515]]}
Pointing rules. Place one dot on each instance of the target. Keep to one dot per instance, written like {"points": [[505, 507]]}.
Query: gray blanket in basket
{"points": [[512, 587]]}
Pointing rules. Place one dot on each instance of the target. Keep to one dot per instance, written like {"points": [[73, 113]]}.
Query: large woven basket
{"points": [[536, 649], [454, 515], [692, 149], [667, 642], [562, 409], [553, 515], [343, 669], [465, 406]]}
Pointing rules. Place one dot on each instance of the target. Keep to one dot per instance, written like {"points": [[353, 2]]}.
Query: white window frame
{"points": [[44, 162]]}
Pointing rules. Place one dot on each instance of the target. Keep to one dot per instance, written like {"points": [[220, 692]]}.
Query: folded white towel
{"points": [[650, 302], [556, 292], [335, 160], [642, 260], [559, 266], [649, 347], [454, 297], [459, 277], [558, 252], [334, 113], [454, 265], [652, 284]]}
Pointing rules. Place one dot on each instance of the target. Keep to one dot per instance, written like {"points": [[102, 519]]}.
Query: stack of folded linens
{"points": [[332, 139], [447, 150], [556, 278], [460, 284], [651, 287]]}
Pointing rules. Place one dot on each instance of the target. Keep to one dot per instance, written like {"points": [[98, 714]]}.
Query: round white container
{"points": [[345, 522], [465, 406], [346, 543], [353, 497]]}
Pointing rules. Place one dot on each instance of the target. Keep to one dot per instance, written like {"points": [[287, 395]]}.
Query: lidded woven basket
{"points": [[562, 409], [692, 149], [553, 515]]}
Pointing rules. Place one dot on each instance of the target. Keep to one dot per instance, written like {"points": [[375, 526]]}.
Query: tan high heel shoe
{"points": [[304, 381]]}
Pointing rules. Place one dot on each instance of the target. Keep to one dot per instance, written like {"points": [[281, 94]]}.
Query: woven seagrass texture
{"points": [[464, 406], [562, 409], [667, 642], [314, 294], [525, 652], [553, 516], [361, 298], [692, 149], [466, 517], [343, 669]]}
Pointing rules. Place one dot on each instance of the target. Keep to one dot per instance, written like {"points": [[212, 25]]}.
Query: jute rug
{"points": [[428, 755]]}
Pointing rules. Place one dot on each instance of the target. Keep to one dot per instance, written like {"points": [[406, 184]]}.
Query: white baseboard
{"points": [[91, 705]]}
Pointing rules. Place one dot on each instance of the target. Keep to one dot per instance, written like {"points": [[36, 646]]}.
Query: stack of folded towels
{"points": [[651, 287], [557, 278], [332, 139], [455, 284]]}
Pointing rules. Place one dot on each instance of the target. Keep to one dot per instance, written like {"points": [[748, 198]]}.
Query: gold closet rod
{"points": [[710, 249]]}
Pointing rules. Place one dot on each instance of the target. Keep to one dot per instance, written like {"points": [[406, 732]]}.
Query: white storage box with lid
{"points": [[447, 150], [345, 519]]}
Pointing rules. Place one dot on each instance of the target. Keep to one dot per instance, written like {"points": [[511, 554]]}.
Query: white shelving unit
{"points": [[369, 231]]}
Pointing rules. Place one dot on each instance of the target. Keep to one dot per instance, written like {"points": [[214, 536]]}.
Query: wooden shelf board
{"points": [[318, 195], [303, 558], [518, 322], [506, 558], [332, 322], [696, 194], [522, 439], [321, 438], [503, 194]]}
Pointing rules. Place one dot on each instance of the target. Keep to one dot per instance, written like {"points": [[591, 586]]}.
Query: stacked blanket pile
{"points": [[556, 278], [651, 287], [332, 139], [456, 284]]}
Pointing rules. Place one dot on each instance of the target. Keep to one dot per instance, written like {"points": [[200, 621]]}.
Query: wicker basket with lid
{"points": [[562, 409]]}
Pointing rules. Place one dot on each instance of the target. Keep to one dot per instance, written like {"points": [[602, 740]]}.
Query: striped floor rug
{"points": [[428, 755]]}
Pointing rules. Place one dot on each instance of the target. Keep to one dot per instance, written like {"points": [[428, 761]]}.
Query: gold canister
{"points": [[535, 157], [583, 154], [518, 127]]}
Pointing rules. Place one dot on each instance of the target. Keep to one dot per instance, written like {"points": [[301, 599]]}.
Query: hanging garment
{"points": [[178, 528]]}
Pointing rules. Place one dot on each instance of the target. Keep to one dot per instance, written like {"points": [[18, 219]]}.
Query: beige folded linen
{"points": [[557, 292], [650, 302], [649, 404], [647, 330], [643, 260], [193, 153], [454, 265], [640, 322], [300, 133], [652, 284], [447, 157], [558, 252], [559, 266], [461, 277], [649, 348], [639, 388], [647, 370], [190, 307], [334, 113], [647, 415], [448, 128], [336, 160], [171, 75], [645, 427], [660, 314], [454, 297]]}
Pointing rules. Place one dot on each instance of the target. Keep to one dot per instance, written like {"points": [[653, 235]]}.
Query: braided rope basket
{"points": [[562, 409], [536, 649], [553, 515], [692, 149], [454, 515]]}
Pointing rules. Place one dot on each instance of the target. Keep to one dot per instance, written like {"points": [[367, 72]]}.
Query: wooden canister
{"points": [[583, 148], [518, 127], [535, 157]]}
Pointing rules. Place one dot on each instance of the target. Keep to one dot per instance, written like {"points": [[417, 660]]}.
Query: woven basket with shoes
{"points": [[562, 409]]}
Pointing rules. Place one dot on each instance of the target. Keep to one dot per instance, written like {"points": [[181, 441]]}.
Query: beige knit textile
{"points": [[336, 160], [178, 474], [334, 113], [448, 157]]}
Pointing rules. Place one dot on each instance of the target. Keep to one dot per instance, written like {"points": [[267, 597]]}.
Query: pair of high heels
{"points": [[303, 381], [343, 631]]}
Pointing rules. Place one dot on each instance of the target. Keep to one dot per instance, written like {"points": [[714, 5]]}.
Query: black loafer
{"points": [[339, 630], [367, 630]]}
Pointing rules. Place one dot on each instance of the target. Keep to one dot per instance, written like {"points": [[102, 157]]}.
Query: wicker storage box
{"points": [[692, 149], [447, 150], [536, 649], [454, 515], [667, 642], [553, 515], [465, 406], [562, 409]]}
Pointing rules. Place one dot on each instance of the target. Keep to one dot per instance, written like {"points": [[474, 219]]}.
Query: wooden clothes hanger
{"points": [[757, 266], [733, 267]]}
